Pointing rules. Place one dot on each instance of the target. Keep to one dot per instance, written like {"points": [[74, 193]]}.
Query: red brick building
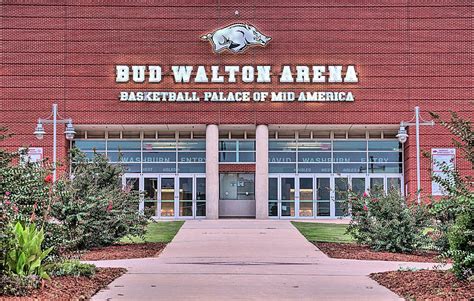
{"points": [[260, 155]]}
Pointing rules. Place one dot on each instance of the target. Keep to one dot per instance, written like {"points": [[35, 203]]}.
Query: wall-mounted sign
{"points": [[236, 38], [441, 158], [33, 155]]}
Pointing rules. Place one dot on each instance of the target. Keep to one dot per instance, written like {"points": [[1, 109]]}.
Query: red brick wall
{"points": [[407, 53]]}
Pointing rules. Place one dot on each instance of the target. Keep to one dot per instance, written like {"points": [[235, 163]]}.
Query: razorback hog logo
{"points": [[236, 38]]}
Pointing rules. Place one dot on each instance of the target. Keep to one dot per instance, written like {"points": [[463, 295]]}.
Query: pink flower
{"points": [[7, 193], [375, 200], [109, 207], [366, 194], [366, 208], [7, 202], [15, 209]]}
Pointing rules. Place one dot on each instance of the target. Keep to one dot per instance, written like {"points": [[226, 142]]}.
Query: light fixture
{"points": [[69, 132], [402, 134], [39, 131]]}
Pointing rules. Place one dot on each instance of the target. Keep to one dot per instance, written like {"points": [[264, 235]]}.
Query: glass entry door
{"points": [[169, 196]]}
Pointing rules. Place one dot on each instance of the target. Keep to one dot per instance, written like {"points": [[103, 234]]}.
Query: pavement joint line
{"points": [[248, 274]]}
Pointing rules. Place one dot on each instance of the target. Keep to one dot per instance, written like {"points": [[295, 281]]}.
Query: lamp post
{"points": [[69, 132], [403, 136]]}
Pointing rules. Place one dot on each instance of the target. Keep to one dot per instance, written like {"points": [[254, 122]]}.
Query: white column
{"points": [[212, 171], [261, 172]]}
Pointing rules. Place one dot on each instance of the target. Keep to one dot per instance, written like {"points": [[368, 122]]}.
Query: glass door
{"points": [[306, 197], [323, 197], [167, 196], [132, 182], [200, 197], [287, 196], [185, 197], [150, 196]]}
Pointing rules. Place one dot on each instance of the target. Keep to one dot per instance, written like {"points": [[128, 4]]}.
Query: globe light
{"points": [[69, 132], [402, 135], [39, 131]]}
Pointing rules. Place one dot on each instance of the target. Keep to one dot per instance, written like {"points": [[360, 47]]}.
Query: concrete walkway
{"points": [[246, 260]]}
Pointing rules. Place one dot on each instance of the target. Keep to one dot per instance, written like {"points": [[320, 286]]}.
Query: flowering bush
{"points": [[385, 222], [92, 208]]}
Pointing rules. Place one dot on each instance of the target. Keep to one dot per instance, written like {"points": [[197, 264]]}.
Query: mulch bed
{"points": [[72, 288], [354, 251], [124, 251], [426, 285]]}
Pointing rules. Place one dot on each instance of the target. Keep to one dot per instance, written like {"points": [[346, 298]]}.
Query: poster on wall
{"points": [[441, 157], [34, 155]]}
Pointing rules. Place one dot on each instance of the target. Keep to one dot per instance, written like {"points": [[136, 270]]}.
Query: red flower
{"points": [[366, 208], [375, 200], [48, 179], [109, 207], [366, 194]]}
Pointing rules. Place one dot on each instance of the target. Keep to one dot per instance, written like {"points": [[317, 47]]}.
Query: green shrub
{"points": [[17, 285], [92, 208], [71, 268], [385, 222], [25, 256]]}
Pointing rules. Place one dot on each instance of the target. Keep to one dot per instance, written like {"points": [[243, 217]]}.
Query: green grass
{"points": [[157, 232], [323, 232]]}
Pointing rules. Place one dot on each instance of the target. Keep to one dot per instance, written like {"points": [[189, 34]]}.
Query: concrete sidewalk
{"points": [[246, 260]]}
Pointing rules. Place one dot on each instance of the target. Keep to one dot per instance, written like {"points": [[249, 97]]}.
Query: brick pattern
{"points": [[407, 53]]}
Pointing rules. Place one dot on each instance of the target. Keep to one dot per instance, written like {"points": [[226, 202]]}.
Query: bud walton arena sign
{"points": [[236, 38]]}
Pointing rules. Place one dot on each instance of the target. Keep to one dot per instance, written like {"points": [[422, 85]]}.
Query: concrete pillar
{"points": [[212, 171], [261, 172]]}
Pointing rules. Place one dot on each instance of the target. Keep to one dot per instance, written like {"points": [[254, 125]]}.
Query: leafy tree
{"points": [[455, 211]]}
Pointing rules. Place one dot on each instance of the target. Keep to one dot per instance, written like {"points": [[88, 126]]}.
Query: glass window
{"points": [[281, 157], [394, 184], [124, 157], [159, 157], [385, 168], [358, 185], [287, 208], [281, 168], [376, 184], [324, 189], [246, 156], [314, 168], [323, 209], [237, 186], [227, 145], [341, 208], [185, 189], [278, 145], [314, 145], [306, 209], [132, 184], [272, 208], [246, 145], [89, 144], [201, 189], [120, 145], [192, 167], [306, 189], [192, 145], [159, 145], [150, 189], [314, 157], [191, 157], [131, 167], [350, 145], [383, 157], [288, 189], [159, 168], [273, 189], [384, 145], [341, 188], [347, 157], [350, 168], [227, 157]]}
